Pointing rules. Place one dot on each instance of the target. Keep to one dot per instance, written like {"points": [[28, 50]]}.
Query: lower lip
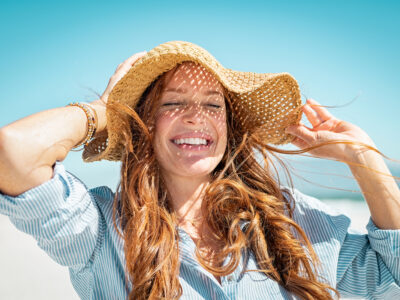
{"points": [[193, 147]]}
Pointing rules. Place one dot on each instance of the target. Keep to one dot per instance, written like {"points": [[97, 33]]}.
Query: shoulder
{"points": [[315, 217], [76, 187], [306, 202], [104, 195]]}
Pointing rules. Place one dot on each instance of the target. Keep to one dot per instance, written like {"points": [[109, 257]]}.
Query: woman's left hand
{"points": [[326, 128]]}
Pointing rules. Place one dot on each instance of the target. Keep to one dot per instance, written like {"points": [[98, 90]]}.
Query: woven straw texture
{"points": [[268, 100]]}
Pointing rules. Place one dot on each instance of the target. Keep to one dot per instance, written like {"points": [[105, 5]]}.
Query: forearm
{"points": [[30, 146], [380, 191]]}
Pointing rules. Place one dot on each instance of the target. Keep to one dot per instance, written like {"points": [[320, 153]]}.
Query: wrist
{"points": [[361, 153], [91, 124], [100, 108]]}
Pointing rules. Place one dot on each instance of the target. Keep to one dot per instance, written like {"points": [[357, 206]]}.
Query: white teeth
{"points": [[191, 141]]}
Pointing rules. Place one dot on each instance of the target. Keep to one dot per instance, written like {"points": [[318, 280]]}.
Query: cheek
{"points": [[221, 126], [162, 122]]}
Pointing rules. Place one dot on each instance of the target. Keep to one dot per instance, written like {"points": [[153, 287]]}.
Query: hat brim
{"points": [[267, 101]]}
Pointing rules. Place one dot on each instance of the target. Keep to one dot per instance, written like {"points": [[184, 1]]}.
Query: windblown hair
{"points": [[242, 189]]}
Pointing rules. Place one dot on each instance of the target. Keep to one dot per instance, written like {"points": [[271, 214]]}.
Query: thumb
{"points": [[301, 132]]}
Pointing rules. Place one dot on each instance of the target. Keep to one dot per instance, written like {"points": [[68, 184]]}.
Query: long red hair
{"points": [[242, 189]]}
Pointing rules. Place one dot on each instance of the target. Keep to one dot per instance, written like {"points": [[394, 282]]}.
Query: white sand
{"points": [[26, 272]]}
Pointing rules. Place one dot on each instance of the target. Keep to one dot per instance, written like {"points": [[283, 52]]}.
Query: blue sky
{"points": [[55, 52]]}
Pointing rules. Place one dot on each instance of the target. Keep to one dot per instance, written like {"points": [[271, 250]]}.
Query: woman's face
{"points": [[190, 123]]}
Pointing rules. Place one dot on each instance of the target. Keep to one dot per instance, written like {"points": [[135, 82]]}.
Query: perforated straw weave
{"points": [[270, 101]]}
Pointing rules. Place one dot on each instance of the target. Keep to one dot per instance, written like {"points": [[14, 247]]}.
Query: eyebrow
{"points": [[183, 91]]}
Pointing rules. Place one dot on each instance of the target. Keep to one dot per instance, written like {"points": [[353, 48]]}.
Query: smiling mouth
{"points": [[192, 144]]}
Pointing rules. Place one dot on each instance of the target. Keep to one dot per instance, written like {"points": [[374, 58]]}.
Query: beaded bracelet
{"points": [[92, 122]]}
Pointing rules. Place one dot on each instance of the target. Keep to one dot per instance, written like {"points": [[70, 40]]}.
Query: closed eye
{"points": [[171, 103], [215, 105], [180, 103]]}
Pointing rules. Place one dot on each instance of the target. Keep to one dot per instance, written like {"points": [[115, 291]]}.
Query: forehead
{"points": [[191, 77]]}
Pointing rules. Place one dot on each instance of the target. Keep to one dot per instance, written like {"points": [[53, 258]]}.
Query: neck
{"points": [[186, 196]]}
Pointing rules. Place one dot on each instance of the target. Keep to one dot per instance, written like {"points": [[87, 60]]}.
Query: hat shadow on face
{"points": [[266, 101], [191, 102]]}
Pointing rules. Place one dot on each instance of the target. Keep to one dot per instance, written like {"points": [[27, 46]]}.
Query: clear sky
{"points": [[55, 52]]}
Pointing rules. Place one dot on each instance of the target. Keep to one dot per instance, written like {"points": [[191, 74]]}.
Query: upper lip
{"points": [[193, 135]]}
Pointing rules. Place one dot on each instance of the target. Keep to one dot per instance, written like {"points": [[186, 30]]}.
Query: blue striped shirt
{"points": [[73, 225]]}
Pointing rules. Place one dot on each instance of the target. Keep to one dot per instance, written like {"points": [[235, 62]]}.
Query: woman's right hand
{"points": [[100, 104], [120, 72]]}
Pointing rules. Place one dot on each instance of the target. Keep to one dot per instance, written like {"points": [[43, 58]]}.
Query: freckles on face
{"points": [[171, 121], [190, 123], [186, 125]]}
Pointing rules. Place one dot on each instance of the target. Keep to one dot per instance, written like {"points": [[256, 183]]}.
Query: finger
{"points": [[302, 124], [299, 143], [302, 132], [323, 113], [129, 62], [134, 58], [312, 116]]}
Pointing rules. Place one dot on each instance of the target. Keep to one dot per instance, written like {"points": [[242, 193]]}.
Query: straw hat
{"points": [[271, 101]]}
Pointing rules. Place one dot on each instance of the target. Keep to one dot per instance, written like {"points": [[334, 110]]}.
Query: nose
{"points": [[194, 114]]}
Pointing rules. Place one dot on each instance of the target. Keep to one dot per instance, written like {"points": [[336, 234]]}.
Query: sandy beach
{"points": [[26, 272]]}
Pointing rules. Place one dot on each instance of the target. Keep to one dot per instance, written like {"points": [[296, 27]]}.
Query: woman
{"points": [[196, 216]]}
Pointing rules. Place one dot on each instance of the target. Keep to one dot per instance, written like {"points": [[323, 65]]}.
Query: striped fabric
{"points": [[74, 226]]}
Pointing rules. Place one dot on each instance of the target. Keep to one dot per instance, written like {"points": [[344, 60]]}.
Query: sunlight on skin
{"points": [[192, 105], [325, 128]]}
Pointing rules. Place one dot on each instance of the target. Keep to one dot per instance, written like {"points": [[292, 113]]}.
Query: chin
{"points": [[199, 168], [196, 171]]}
